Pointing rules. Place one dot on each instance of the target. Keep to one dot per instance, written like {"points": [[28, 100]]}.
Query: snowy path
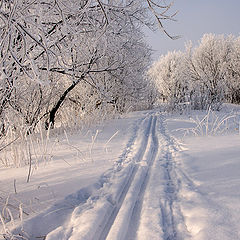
{"points": [[155, 190], [140, 191]]}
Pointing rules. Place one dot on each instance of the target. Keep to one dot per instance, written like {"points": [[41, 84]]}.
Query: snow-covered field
{"points": [[148, 175]]}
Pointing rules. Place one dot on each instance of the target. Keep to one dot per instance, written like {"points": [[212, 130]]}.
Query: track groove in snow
{"points": [[98, 216], [126, 222], [150, 158], [170, 189], [123, 208], [104, 220], [157, 219], [119, 221]]}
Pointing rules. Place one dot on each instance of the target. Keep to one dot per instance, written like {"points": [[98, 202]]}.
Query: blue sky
{"points": [[195, 18]]}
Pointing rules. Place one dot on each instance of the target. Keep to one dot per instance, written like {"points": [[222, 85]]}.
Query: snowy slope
{"points": [[151, 181]]}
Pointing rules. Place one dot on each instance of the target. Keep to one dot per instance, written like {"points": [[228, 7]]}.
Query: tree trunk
{"points": [[52, 114]]}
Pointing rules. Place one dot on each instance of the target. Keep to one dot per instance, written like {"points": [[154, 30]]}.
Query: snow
{"points": [[147, 175], [212, 164]]}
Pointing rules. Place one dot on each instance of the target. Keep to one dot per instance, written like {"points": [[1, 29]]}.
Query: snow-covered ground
{"points": [[148, 175]]}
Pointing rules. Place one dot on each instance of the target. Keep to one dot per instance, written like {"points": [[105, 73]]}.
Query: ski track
{"points": [[151, 157], [121, 213], [156, 149], [113, 204], [142, 188], [126, 222], [161, 217], [138, 197], [171, 187]]}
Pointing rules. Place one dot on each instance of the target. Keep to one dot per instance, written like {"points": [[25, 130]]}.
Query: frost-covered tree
{"points": [[233, 73], [42, 36], [121, 88], [205, 75], [168, 75], [62, 43], [207, 66]]}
